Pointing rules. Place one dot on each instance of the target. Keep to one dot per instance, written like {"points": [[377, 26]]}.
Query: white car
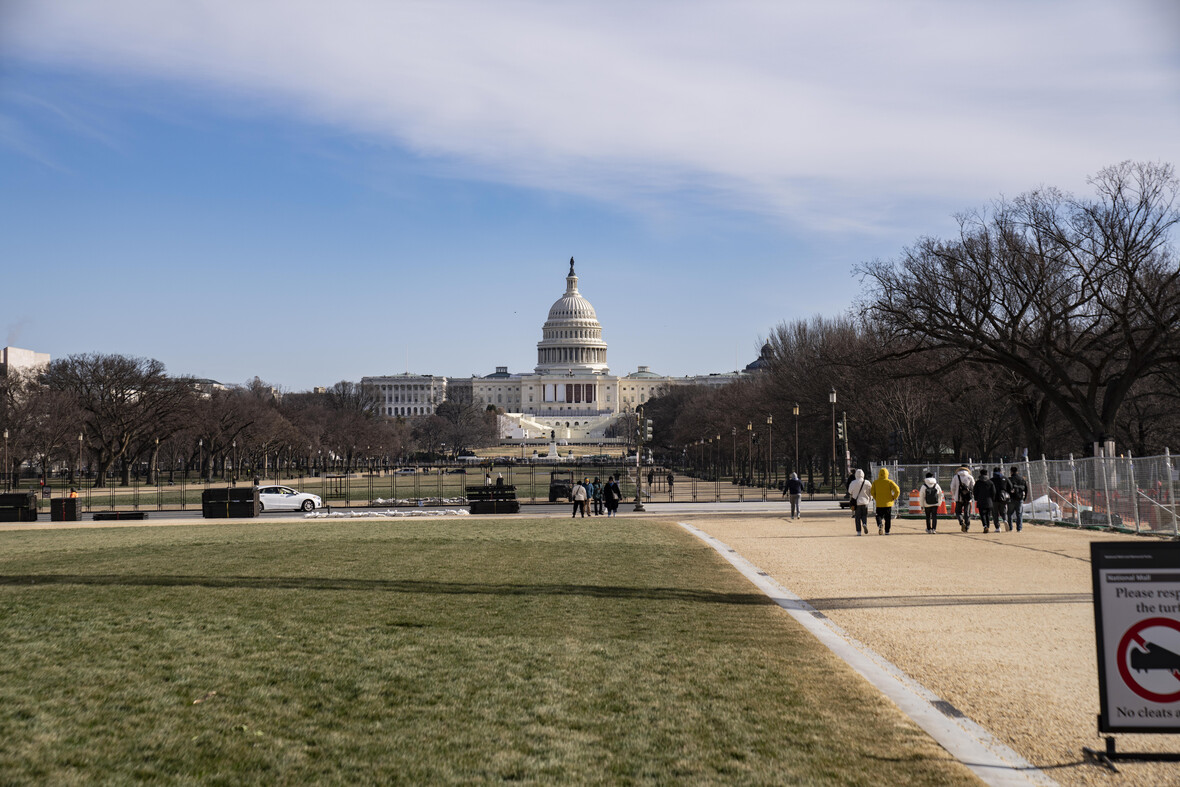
{"points": [[284, 498]]}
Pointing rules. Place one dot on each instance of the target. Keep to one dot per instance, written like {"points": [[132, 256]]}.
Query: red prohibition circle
{"points": [[1132, 635]]}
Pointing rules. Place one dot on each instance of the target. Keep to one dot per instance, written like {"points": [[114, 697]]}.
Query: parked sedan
{"points": [[284, 498]]}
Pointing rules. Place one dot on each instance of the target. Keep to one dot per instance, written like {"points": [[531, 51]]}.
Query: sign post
{"points": [[1137, 625]]}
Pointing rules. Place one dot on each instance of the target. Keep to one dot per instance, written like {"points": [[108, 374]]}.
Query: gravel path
{"points": [[999, 625]]}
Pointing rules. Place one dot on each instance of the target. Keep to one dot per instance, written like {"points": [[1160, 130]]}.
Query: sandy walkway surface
{"points": [[999, 625]]}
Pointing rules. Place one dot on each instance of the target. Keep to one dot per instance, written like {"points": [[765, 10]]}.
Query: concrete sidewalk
{"points": [[1001, 625]]}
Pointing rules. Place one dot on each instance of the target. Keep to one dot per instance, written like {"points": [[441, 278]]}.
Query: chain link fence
{"points": [[1116, 493]]}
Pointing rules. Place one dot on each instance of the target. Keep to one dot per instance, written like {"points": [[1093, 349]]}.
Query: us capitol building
{"points": [[570, 392]]}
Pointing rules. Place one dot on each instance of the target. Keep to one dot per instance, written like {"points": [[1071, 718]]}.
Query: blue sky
{"points": [[312, 192]]}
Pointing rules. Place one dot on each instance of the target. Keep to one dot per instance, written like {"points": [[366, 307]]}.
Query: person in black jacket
{"points": [[1019, 492], [985, 495], [1003, 495]]}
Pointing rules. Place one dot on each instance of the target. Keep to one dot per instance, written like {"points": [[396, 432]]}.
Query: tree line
{"points": [[114, 415], [1051, 322]]}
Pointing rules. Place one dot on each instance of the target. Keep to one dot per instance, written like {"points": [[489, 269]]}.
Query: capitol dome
{"points": [[571, 336]]}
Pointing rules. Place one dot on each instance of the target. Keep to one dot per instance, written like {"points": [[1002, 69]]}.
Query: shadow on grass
{"points": [[390, 586]]}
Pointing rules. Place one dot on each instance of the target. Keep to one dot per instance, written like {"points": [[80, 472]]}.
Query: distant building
{"points": [[570, 393], [407, 395], [15, 359]]}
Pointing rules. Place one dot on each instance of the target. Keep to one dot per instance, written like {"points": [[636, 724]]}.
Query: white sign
{"points": [[1137, 622]]}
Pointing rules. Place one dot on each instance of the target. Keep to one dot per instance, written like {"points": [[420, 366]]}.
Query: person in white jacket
{"points": [[962, 487], [860, 494], [931, 497]]}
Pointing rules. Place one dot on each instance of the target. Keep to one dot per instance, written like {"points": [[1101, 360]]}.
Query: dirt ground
{"points": [[999, 625]]}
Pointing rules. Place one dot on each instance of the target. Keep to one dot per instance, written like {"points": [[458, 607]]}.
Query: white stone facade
{"points": [[15, 359], [407, 395]]}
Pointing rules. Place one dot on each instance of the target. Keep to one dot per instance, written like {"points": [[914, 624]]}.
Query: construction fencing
{"points": [[1117, 493]]}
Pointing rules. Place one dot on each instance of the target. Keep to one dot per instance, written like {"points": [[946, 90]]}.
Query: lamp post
{"points": [[717, 459], [770, 443], [7, 478], [234, 477], [795, 410], [750, 446], [200, 455], [832, 399], [78, 468], [638, 453], [734, 466]]}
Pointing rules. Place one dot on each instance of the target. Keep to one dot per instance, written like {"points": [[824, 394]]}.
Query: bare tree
{"points": [[128, 403], [1079, 297]]}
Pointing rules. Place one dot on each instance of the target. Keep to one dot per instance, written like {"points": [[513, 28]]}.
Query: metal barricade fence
{"points": [[1117, 493]]}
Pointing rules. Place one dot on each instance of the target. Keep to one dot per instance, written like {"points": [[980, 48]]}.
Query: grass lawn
{"points": [[421, 651]]}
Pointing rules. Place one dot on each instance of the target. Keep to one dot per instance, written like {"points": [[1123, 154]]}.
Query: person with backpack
{"points": [[795, 489], [1019, 493], [860, 494], [932, 497], [885, 491], [984, 493], [1003, 496], [962, 486]]}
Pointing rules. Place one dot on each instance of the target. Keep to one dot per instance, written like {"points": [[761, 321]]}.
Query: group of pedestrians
{"points": [[603, 498], [881, 493], [998, 499]]}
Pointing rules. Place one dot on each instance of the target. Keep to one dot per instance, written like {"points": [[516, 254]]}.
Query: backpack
{"points": [[964, 492], [932, 495], [1004, 490], [1018, 490]]}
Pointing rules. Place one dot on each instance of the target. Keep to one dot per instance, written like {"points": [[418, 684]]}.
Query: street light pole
{"points": [[770, 444], [638, 454], [733, 468], [832, 399], [717, 460], [796, 411], [7, 477], [750, 447]]}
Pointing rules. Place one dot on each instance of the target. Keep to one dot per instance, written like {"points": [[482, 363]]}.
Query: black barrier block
{"points": [[233, 502], [18, 507], [106, 516], [63, 509]]}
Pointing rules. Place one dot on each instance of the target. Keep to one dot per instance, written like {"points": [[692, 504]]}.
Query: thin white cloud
{"points": [[783, 108]]}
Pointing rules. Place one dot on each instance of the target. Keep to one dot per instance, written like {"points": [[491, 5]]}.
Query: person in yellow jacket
{"points": [[884, 493]]}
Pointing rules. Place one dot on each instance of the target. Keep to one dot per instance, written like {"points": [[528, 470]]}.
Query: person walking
{"points": [[985, 495], [598, 493], [579, 497], [1003, 498], [932, 497], [670, 480], [589, 507], [1019, 493], [612, 495], [962, 487], [885, 491], [860, 494], [795, 489]]}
